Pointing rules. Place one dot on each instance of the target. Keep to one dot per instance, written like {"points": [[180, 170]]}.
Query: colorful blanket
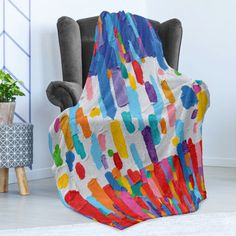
{"points": [[131, 149]]}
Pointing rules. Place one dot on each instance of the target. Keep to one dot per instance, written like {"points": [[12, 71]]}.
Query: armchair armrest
{"points": [[170, 33], [64, 94]]}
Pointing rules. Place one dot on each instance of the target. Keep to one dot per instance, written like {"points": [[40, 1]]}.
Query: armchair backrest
{"points": [[76, 39]]}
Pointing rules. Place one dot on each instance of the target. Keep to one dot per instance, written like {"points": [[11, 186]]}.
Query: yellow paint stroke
{"points": [[151, 215], [95, 112], [132, 81], [100, 24], [118, 138], [167, 91], [122, 58], [125, 183], [63, 181], [175, 140], [150, 167], [175, 175], [190, 186], [172, 189], [65, 127], [202, 184], [123, 48], [202, 105]]}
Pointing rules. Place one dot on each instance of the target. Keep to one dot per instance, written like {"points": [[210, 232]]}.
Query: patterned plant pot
{"points": [[16, 145], [7, 110]]}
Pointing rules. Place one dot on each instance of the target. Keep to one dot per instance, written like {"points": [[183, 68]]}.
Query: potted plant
{"points": [[8, 92]]}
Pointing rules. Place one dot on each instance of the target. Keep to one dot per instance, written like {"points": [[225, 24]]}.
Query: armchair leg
{"points": [[4, 180], [22, 181]]}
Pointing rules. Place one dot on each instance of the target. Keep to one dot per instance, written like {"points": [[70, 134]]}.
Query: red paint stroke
{"points": [[80, 170], [138, 72], [78, 203], [117, 161], [134, 176]]}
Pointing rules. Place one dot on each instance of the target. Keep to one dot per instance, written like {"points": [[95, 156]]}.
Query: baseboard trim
{"points": [[34, 174], [219, 162]]}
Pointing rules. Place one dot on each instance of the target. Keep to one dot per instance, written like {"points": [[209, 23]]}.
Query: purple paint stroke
{"points": [[150, 92], [194, 114], [147, 136], [185, 147], [119, 87], [104, 161]]}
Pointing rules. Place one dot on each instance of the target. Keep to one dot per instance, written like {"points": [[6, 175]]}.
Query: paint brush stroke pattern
{"points": [[131, 149]]}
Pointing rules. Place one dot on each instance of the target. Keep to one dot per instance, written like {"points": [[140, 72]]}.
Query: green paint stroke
{"points": [[79, 147], [199, 82], [110, 153], [119, 38], [57, 156], [128, 121], [136, 189], [154, 129], [123, 71], [177, 73], [148, 174]]}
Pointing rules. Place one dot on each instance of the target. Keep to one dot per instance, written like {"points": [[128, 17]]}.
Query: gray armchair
{"points": [[76, 39]]}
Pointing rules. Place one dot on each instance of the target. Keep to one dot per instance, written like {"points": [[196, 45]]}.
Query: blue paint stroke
{"points": [[159, 105], [114, 184], [179, 130], [96, 151], [79, 147], [134, 106], [105, 88], [70, 157], [50, 143], [102, 107], [93, 201], [188, 97], [136, 157]]}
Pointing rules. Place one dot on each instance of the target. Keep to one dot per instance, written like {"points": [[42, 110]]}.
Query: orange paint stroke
{"points": [[65, 127], [101, 196], [163, 126], [167, 91], [83, 121]]}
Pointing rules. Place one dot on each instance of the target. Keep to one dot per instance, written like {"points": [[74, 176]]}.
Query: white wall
{"points": [[208, 53]]}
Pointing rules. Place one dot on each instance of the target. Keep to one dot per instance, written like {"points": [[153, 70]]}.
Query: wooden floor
{"points": [[43, 208]]}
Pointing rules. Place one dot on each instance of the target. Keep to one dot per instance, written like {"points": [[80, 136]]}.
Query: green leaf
{"points": [[20, 81], [9, 88]]}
